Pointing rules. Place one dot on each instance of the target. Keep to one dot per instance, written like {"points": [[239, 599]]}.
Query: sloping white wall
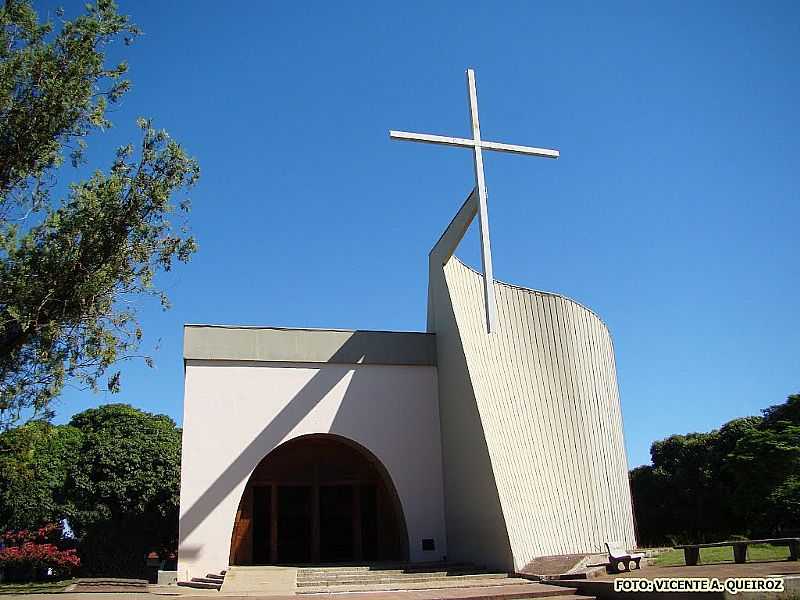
{"points": [[236, 412], [545, 388]]}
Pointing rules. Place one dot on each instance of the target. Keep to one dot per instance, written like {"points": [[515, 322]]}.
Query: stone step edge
{"points": [[434, 582], [212, 581], [340, 572], [199, 585], [206, 580], [397, 578], [404, 567], [307, 576], [417, 586], [562, 597], [499, 594]]}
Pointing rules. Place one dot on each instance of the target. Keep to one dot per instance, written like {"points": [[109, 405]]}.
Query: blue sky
{"points": [[673, 211]]}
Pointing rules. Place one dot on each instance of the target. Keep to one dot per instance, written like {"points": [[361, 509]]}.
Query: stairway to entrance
{"points": [[432, 581], [212, 581]]}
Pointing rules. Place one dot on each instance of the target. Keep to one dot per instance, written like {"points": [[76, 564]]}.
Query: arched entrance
{"points": [[319, 498]]}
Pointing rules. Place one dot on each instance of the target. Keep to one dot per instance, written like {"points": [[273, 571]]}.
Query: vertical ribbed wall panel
{"points": [[546, 392]]}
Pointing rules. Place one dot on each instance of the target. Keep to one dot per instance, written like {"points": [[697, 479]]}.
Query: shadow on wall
{"points": [[352, 352]]}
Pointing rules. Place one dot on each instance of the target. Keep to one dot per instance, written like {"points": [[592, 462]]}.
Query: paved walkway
{"points": [[532, 590], [602, 586], [261, 581], [718, 570], [245, 583]]}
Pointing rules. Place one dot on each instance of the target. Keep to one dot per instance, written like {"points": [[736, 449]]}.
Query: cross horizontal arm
{"points": [[467, 143], [431, 139], [514, 149]]}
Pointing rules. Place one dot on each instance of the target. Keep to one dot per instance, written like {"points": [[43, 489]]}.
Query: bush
{"points": [[123, 489], [113, 474], [32, 555]]}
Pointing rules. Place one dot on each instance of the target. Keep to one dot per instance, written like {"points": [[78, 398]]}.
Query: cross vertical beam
{"points": [[478, 146], [483, 207]]}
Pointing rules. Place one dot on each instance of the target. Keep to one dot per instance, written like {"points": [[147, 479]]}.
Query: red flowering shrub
{"points": [[50, 533], [27, 555]]}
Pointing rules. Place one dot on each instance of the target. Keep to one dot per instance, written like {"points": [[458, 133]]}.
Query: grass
{"points": [[755, 552], [34, 587]]}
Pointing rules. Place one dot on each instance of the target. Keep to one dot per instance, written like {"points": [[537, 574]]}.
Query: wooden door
{"points": [[242, 542]]}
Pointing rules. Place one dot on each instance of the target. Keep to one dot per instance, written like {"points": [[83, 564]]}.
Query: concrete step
{"points": [[386, 568], [528, 591], [431, 584], [570, 597], [213, 580], [395, 578], [200, 585], [398, 573], [387, 573]]}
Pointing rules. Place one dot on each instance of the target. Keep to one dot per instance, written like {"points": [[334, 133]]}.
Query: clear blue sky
{"points": [[673, 211]]}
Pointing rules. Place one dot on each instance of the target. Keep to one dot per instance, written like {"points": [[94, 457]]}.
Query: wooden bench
{"points": [[619, 559], [691, 552]]}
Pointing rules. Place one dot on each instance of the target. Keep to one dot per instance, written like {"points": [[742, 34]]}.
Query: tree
{"points": [[766, 461], [34, 462], [652, 505], [742, 479], [113, 473], [683, 461], [123, 489], [71, 268]]}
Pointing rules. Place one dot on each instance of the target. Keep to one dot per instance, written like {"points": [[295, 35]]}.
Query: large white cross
{"points": [[478, 145]]}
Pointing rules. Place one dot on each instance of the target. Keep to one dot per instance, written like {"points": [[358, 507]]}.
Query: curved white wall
{"points": [[544, 385], [236, 412]]}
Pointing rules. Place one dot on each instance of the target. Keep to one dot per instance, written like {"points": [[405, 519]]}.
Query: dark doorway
{"points": [[294, 524], [369, 522], [318, 498], [262, 499], [336, 523]]}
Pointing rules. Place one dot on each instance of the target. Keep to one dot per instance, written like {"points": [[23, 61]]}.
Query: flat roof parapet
{"points": [[281, 344]]}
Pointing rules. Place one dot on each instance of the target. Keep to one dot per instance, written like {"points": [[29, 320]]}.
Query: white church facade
{"points": [[317, 446]]}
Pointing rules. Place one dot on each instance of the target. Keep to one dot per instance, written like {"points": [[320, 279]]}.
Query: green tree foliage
{"points": [[34, 462], [72, 267], [113, 472], [766, 461], [124, 487], [742, 479]]}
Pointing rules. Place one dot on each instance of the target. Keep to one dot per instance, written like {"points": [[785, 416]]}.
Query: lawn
{"points": [[756, 552], [35, 587]]}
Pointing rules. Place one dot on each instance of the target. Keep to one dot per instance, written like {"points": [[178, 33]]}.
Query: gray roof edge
{"points": [[323, 329], [306, 345]]}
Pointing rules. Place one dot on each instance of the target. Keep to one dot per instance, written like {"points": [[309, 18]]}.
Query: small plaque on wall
{"points": [[428, 544]]}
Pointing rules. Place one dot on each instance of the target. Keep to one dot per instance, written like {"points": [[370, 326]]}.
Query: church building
{"points": [[319, 446], [495, 437]]}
